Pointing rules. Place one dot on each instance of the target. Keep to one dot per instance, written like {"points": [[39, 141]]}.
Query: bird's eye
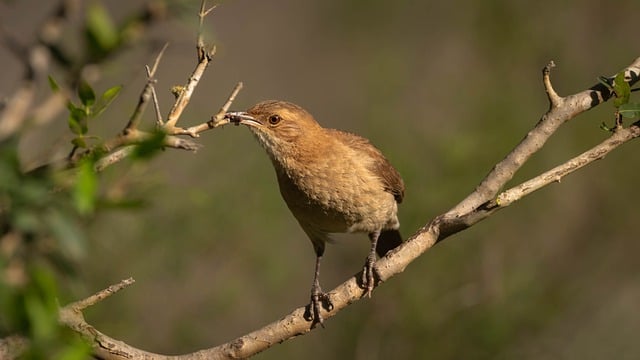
{"points": [[274, 119]]}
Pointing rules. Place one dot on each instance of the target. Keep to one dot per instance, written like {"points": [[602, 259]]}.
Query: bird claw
{"points": [[368, 279], [313, 312]]}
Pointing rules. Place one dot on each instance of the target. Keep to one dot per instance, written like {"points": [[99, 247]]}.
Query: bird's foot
{"points": [[319, 300], [368, 279]]}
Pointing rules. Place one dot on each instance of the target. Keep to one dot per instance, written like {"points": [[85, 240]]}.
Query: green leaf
{"points": [[77, 120], [77, 350], [106, 98], [84, 192], [111, 94], [621, 89], [74, 126], [53, 84], [40, 304], [630, 110], [71, 105], [149, 147], [86, 94], [79, 142], [101, 32], [67, 232]]}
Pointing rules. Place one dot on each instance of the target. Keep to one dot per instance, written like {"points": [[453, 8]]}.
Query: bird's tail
{"points": [[388, 240]]}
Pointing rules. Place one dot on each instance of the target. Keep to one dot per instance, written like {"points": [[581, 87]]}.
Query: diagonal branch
{"points": [[560, 111], [460, 217], [620, 136], [485, 200], [455, 220], [104, 346], [99, 296], [147, 93], [218, 119]]}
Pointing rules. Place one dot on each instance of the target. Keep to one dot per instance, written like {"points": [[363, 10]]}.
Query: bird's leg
{"points": [[318, 298], [367, 273]]}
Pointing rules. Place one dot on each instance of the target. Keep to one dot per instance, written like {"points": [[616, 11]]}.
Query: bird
{"points": [[332, 182]]}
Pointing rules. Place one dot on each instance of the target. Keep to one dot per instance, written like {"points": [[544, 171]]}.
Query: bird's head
{"points": [[278, 125]]}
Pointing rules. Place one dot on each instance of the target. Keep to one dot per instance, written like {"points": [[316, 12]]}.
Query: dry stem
{"points": [[457, 219], [480, 204]]}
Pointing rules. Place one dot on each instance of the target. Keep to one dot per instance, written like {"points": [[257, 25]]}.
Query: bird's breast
{"points": [[336, 193]]}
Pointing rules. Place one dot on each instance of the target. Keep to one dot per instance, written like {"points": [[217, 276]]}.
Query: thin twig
{"points": [[131, 135], [573, 105], [104, 346], [123, 146], [201, 15], [217, 119], [154, 97], [145, 95], [113, 157], [204, 58], [154, 68], [554, 98], [620, 136], [151, 73], [101, 295], [225, 108], [443, 226]]}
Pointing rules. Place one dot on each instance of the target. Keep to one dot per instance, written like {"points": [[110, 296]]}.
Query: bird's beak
{"points": [[241, 117]]}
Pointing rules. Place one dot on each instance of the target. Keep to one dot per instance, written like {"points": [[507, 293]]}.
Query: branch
{"points": [[561, 110], [147, 93], [217, 119], [485, 200], [474, 208], [598, 152], [104, 346], [123, 146], [113, 158], [459, 218], [97, 297], [131, 135], [12, 346], [204, 57]]}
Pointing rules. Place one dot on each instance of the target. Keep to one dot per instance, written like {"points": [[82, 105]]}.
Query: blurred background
{"points": [[445, 89]]}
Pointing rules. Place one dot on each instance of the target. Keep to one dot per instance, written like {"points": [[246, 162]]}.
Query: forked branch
{"points": [[480, 204], [485, 200]]}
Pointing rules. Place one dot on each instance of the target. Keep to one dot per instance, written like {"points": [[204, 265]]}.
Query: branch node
{"points": [[205, 13], [211, 52], [554, 98]]}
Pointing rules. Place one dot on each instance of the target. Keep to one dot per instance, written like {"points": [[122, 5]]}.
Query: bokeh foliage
{"points": [[44, 210], [42, 239]]}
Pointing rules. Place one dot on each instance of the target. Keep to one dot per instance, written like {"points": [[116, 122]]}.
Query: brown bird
{"points": [[332, 181]]}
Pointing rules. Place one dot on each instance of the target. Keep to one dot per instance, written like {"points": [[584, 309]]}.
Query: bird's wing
{"points": [[390, 177]]}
